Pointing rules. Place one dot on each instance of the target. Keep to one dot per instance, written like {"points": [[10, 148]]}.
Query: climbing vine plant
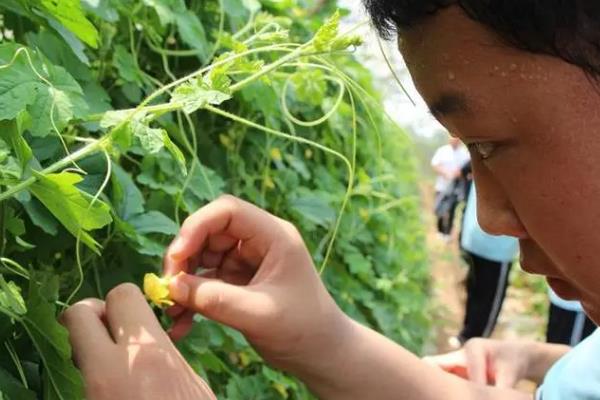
{"points": [[119, 118]]}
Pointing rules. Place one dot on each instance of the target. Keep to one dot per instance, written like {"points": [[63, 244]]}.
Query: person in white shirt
{"points": [[447, 163]]}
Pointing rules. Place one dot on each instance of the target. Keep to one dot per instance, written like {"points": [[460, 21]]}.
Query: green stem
{"points": [[167, 107], [271, 67], [3, 211], [11, 314], [78, 155], [14, 267], [15, 358]]}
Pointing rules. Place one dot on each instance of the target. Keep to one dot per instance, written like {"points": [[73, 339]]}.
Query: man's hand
{"points": [[258, 277], [500, 363], [123, 352]]}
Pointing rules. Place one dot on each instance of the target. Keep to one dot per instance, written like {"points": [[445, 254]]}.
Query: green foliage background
{"points": [[108, 215]]}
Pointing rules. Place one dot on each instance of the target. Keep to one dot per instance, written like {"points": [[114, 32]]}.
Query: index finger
{"points": [[254, 227], [89, 337]]}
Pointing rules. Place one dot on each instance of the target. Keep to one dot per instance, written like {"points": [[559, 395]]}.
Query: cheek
{"points": [[555, 193]]}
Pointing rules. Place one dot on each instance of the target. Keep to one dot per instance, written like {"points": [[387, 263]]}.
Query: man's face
{"points": [[454, 141], [532, 123]]}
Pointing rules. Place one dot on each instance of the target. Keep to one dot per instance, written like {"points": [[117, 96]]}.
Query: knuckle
{"points": [[123, 292], [71, 313], [80, 308], [229, 201], [290, 230], [292, 235]]}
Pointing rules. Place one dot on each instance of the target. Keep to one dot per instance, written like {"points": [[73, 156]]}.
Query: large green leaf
{"points": [[154, 222], [71, 206], [51, 102], [192, 32], [71, 15]]}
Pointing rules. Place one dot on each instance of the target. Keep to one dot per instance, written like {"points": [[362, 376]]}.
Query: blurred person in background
{"points": [[447, 163]]}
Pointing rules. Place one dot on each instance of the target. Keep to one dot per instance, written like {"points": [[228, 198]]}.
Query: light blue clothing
{"points": [[495, 248], [576, 376], [569, 305]]}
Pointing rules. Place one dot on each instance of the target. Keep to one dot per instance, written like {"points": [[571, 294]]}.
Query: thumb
{"points": [[236, 306]]}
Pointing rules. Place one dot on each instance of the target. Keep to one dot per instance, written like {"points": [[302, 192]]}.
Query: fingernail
{"points": [[179, 290], [177, 246]]}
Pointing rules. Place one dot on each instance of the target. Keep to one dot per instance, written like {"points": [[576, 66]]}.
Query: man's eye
{"points": [[483, 149]]}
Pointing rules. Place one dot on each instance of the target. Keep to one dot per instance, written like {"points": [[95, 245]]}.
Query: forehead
{"points": [[449, 52]]}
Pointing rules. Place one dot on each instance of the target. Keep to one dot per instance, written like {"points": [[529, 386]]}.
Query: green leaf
{"points": [[127, 198], [154, 222], [76, 45], [102, 9], [313, 207], [310, 86], [71, 15], [10, 169], [204, 185], [175, 152], [71, 206], [192, 32], [195, 94], [151, 139], [357, 263], [14, 224], [60, 53], [12, 133], [51, 340], [40, 216], [165, 9], [12, 389], [113, 118], [126, 65], [11, 298], [49, 105]]}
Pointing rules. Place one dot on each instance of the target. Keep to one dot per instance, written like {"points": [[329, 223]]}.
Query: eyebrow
{"points": [[449, 103]]}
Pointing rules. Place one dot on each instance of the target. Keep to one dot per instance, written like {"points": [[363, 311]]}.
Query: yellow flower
{"points": [[269, 184], [226, 142], [276, 154], [281, 389], [364, 214], [157, 290], [244, 359]]}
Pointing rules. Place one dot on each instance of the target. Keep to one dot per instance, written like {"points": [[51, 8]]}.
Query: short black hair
{"points": [[568, 29]]}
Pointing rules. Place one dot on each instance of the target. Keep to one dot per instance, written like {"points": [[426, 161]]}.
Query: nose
{"points": [[495, 213]]}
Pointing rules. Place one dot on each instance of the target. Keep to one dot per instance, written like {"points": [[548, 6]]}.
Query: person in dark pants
{"points": [[567, 322], [487, 282]]}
